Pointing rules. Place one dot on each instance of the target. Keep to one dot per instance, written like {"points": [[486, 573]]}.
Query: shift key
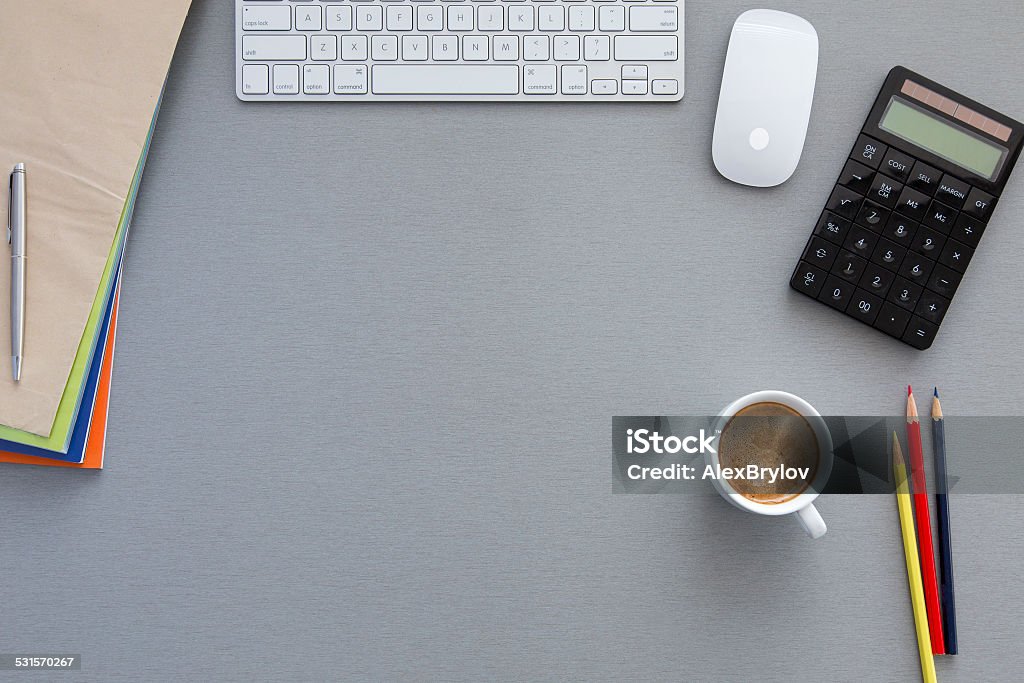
{"points": [[647, 48]]}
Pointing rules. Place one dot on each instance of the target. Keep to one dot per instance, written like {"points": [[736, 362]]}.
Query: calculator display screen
{"points": [[942, 138]]}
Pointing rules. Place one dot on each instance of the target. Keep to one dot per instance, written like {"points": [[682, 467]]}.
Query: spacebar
{"points": [[445, 79]]}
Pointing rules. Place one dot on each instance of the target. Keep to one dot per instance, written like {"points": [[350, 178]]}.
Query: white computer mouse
{"points": [[765, 102]]}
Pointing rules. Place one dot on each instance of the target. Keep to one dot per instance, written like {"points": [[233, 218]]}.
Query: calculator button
{"points": [[892, 320], [944, 281], [956, 256], [844, 203], [920, 333], [856, 176], [872, 215], [820, 253], [807, 279], [900, 230], [898, 165], [932, 307], [967, 230], [832, 228], [928, 242], [913, 204], [924, 178], [885, 191], [979, 205], [836, 293], [876, 280], [849, 267], [888, 255], [861, 241], [864, 306], [952, 191], [869, 151], [904, 293], [940, 217], [916, 268]]}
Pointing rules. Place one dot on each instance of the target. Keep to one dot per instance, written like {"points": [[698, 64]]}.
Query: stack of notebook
{"points": [[81, 119]]}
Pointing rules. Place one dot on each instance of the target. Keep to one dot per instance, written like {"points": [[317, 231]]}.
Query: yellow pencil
{"points": [[924, 642]]}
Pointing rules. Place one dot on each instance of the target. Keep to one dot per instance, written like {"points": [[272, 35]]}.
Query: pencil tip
{"points": [[910, 390], [936, 392]]}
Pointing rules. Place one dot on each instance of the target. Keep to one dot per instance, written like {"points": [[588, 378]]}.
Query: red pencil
{"points": [[924, 526]]}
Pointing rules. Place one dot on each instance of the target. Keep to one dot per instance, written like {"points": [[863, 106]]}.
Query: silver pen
{"points": [[16, 221]]}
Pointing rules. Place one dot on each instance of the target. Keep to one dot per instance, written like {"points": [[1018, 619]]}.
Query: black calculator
{"points": [[909, 209]]}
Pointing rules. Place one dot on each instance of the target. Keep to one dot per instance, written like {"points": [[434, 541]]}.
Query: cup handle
{"points": [[811, 521]]}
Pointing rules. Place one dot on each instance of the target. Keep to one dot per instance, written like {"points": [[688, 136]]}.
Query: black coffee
{"points": [[775, 438]]}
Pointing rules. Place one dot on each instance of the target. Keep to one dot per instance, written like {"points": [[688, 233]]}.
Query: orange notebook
{"points": [[96, 443]]}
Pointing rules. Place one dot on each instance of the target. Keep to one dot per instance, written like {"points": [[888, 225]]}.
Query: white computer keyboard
{"points": [[459, 50]]}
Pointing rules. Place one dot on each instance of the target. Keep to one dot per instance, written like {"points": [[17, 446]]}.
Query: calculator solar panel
{"points": [[909, 209]]}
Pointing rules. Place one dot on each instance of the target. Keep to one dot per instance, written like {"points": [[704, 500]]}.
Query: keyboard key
{"points": [[836, 293], [843, 202], [905, 293], [849, 267], [888, 255], [952, 191], [876, 279], [604, 86], [583, 18], [460, 18], [551, 18], [273, 48], [414, 48], [474, 48], [869, 151], [385, 48], [916, 268], [567, 48], [872, 215], [399, 17], [430, 18], [967, 230], [309, 18], [820, 253], [665, 86], [448, 79], [940, 217], [574, 80], [928, 242], [920, 333], [597, 49], [634, 87], [323, 48], [913, 204], [944, 281], [832, 227], [266, 18], [956, 256], [807, 279], [864, 306], [316, 79], [979, 205], [885, 191], [490, 18], [892, 320], [506, 48], [932, 307], [535, 49], [354, 48], [650, 18], [631, 72], [339, 18], [861, 241], [924, 178], [647, 48], [350, 79], [857, 177], [611, 18], [900, 230], [256, 79], [539, 79], [520, 18], [286, 79], [897, 165]]}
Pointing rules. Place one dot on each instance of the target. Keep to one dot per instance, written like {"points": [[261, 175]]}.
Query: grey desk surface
{"points": [[368, 357]]}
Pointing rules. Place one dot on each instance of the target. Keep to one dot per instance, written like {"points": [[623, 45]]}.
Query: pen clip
{"points": [[10, 204]]}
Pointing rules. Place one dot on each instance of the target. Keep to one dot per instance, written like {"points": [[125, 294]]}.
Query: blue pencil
{"points": [[945, 545]]}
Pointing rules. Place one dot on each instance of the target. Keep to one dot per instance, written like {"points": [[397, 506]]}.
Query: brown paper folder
{"points": [[79, 83]]}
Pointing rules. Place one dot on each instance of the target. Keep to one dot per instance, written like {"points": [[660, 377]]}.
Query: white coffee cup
{"points": [[801, 506]]}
